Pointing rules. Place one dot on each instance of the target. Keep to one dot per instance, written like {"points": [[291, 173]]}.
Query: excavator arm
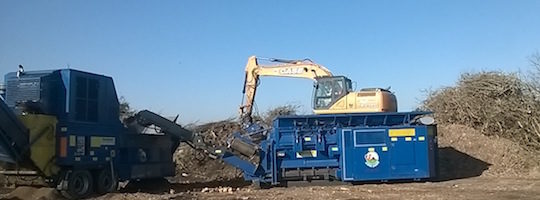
{"points": [[285, 68]]}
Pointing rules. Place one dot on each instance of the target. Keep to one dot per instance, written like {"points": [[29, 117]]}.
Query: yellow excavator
{"points": [[332, 94]]}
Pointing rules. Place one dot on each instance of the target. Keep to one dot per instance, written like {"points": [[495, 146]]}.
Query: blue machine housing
{"points": [[345, 147], [89, 134]]}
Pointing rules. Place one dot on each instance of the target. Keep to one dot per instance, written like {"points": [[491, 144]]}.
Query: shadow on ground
{"points": [[454, 164], [160, 186], [234, 183]]}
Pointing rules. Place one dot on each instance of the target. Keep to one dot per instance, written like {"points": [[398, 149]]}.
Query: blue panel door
{"points": [[403, 157], [365, 154]]}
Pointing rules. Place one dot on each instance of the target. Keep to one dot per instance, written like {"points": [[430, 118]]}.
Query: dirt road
{"points": [[479, 188]]}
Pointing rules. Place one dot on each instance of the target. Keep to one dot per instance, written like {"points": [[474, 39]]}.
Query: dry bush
{"points": [[495, 103], [126, 110], [269, 116], [534, 74]]}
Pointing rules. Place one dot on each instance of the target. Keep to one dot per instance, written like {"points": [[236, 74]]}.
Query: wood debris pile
{"points": [[195, 166], [495, 103]]}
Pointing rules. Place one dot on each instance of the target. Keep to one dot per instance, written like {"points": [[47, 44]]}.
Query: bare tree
{"points": [[534, 59], [534, 74], [125, 109]]}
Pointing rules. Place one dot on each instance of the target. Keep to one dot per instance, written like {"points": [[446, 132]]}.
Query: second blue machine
{"points": [[345, 147]]}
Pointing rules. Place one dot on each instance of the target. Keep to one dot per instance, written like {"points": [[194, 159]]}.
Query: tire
{"points": [[79, 184], [105, 182]]}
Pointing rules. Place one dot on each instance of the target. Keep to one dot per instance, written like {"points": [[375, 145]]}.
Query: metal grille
{"points": [[21, 90]]}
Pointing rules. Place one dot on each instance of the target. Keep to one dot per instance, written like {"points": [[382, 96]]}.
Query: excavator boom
{"points": [[285, 68]]}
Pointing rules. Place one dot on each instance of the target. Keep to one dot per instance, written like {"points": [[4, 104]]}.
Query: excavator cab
{"points": [[327, 90]]}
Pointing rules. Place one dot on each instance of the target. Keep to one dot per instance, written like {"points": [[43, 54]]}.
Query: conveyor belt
{"points": [[13, 135], [146, 118]]}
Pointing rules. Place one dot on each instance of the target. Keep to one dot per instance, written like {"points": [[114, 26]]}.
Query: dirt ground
{"points": [[488, 188], [473, 188]]}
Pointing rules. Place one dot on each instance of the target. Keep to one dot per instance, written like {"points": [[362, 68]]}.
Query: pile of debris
{"points": [[466, 152], [495, 103], [195, 166]]}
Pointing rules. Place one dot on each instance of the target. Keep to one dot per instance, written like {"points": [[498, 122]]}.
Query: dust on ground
{"points": [[474, 188], [28, 192]]}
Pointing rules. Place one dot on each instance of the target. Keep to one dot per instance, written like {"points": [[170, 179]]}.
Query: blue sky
{"points": [[187, 57]]}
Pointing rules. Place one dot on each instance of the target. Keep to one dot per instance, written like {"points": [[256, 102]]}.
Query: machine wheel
{"points": [[105, 182], [79, 184]]}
